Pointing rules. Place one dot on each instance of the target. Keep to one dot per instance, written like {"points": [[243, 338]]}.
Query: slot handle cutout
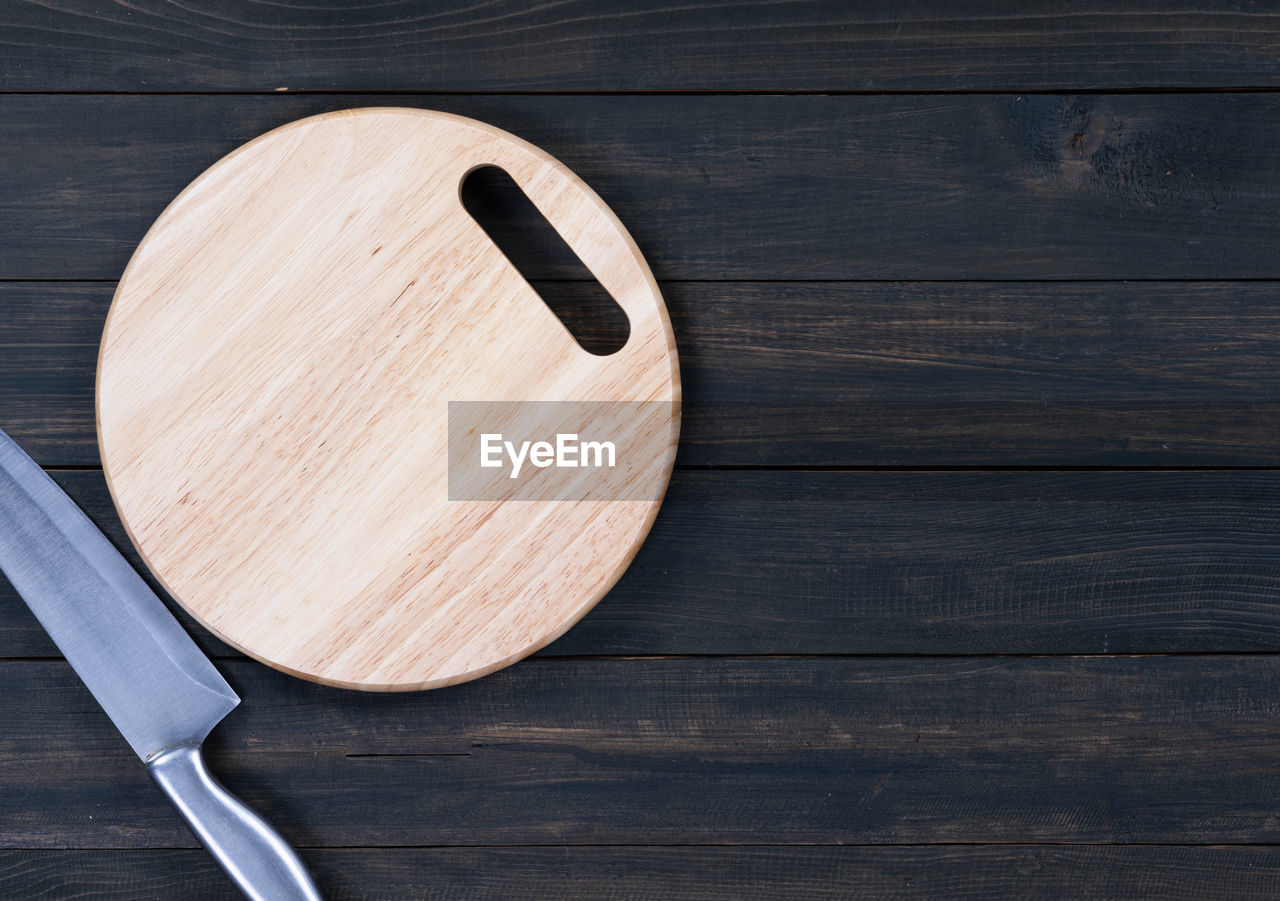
{"points": [[511, 220]]}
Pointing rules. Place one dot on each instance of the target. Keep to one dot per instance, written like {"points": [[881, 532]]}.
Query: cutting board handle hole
{"points": [[548, 264]]}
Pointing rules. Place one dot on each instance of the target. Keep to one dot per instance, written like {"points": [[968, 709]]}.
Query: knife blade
{"points": [[160, 690]]}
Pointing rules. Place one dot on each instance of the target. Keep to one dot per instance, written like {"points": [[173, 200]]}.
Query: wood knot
{"points": [[1085, 143]]}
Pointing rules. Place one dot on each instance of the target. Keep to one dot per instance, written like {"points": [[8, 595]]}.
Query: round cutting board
{"points": [[275, 390]]}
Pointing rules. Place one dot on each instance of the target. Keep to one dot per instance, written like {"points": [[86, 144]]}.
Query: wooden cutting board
{"points": [[274, 391]]}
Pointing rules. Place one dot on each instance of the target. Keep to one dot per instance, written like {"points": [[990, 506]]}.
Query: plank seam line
{"points": [[1142, 280], [801, 468], [1063, 90], [671, 846], [547, 659]]}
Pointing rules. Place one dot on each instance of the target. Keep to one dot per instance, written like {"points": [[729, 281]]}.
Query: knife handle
{"points": [[256, 857]]}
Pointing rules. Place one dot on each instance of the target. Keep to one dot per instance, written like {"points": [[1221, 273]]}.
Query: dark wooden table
{"points": [[966, 584]]}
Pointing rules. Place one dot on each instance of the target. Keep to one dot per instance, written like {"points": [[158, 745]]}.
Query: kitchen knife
{"points": [[162, 693]]}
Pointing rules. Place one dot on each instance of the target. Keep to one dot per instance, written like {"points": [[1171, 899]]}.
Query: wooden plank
{"points": [[863, 374], [48, 356], [742, 187], [915, 563], [945, 374], [961, 872], [611, 46], [689, 751]]}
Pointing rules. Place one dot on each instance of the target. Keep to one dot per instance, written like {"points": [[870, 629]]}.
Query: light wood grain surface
{"points": [[272, 402]]}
